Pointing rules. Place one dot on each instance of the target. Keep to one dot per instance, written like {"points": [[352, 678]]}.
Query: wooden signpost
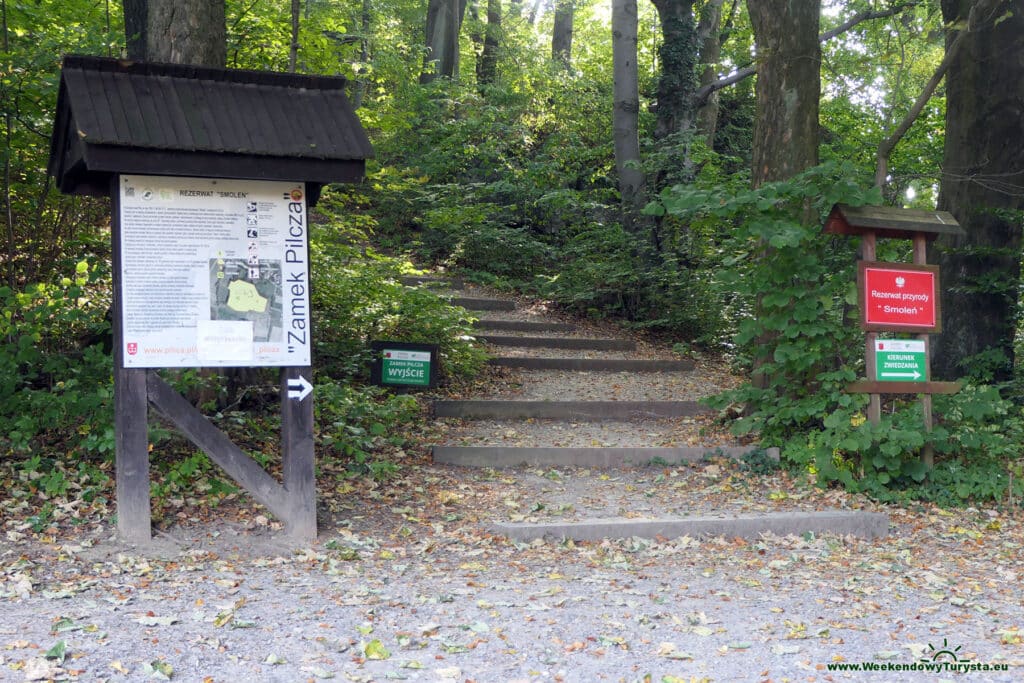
{"points": [[900, 298], [211, 173]]}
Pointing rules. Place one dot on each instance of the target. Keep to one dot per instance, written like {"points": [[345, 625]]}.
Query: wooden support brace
{"points": [[928, 451], [243, 469], [865, 386], [868, 251], [131, 431], [298, 459], [131, 413]]}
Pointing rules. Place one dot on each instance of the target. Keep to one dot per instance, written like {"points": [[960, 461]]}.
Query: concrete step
{"points": [[509, 456], [475, 303], [594, 364], [583, 411], [522, 326], [841, 522], [450, 282], [560, 342]]}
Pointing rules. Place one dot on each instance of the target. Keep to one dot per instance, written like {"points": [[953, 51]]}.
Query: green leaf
{"points": [[58, 651], [376, 650], [159, 670]]}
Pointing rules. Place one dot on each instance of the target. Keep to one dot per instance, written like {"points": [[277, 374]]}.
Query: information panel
{"points": [[899, 297], [214, 272]]}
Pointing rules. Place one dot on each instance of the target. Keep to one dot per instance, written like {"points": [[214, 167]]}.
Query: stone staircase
{"points": [[591, 401]]}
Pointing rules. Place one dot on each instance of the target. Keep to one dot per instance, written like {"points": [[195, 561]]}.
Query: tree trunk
{"points": [[982, 177], [626, 110], [561, 34], [359, 88], [708, 32], [186, 32], [786, 128], [293, 50], [488, 70], [8, 122], [444, 20], [677, 85], [135, 12], [788, 87]]}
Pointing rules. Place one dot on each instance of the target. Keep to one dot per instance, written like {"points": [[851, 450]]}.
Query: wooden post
{"points": [[928, 451], [868, 252], [297, 453], [131, 424]]}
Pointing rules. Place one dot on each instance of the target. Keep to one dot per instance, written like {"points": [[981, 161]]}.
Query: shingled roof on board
{"points": [[116, 116], [890, 221]]}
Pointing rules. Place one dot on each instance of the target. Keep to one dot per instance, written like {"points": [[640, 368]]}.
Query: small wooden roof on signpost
{"points": [[116, 116], [888, 221]]}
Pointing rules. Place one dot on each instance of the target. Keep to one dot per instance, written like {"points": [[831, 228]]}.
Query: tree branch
{"points": [[705, 92], [867, 15], [887, 145]]}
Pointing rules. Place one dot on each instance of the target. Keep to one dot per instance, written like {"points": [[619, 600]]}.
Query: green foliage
{"points": [[44, 227], [759, 462], [976, 444], [50, 398], [358, 299], [356, 423], [788, 288]]}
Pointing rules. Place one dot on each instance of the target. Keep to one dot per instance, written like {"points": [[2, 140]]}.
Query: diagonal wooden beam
{"points": [[215, 443]]}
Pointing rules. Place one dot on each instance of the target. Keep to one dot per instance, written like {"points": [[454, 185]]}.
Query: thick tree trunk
{"points": [[186, 32], [788, 87], [561, 34], [135, 12], [786, 129], [982, 177], [444, 20], [677, 85], [626, 109]]}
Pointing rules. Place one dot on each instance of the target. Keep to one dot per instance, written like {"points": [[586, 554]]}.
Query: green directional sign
{"points": [[900, 360], [404, 365]]}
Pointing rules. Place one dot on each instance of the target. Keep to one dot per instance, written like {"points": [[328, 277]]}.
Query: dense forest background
{"points": [[667, 164]]}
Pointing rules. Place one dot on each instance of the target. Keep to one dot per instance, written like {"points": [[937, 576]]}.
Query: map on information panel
{"points": [[214, 272]]}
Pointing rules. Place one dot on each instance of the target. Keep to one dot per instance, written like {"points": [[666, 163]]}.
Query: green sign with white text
{"points": [[404, 367], [900, 360]]}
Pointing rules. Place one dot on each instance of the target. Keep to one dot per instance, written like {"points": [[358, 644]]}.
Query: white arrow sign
{"points": [[909, 375], [299, 388]]}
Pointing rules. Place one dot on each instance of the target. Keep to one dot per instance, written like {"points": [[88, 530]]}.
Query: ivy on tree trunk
{"points": [[678, 52]]}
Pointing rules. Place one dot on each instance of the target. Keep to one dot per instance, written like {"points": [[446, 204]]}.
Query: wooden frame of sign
{"points": [[136, 389], [871, 223], [173, 134]]}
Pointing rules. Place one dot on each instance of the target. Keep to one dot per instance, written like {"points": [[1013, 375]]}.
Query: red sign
{"points": [[899, 297]]}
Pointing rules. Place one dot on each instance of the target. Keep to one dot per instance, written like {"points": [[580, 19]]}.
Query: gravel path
{"points": [[406, 582], [437, 609]]}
